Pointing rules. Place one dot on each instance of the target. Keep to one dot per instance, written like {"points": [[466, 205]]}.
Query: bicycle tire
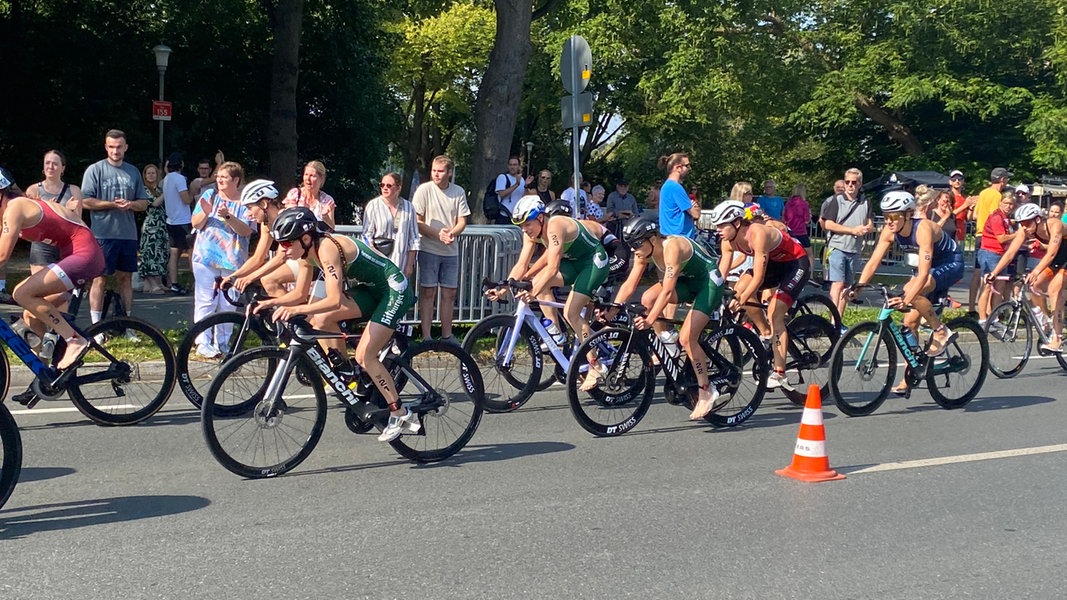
{"points": [[11, 460], [506, 387], [1010, 335], [811, 343], [195, 373], [746, 364], [944, 385], [818, 303], [455, 411], [851, 397], [138, 388], [618, 404], [5, 376], [249, 442]]}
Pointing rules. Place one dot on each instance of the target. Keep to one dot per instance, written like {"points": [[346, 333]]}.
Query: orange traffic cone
{"points": [[810, 462]]}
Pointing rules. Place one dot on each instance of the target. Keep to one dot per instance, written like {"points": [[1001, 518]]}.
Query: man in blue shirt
{"points": [[677, 213], [773, 206]]}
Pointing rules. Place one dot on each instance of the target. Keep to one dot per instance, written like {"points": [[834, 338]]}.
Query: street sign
{"points": [[161, 111], [580, 115], [576, 64]]}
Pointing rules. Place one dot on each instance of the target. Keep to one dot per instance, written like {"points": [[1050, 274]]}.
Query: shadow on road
{"points": [[29, 474], [21, 522], [183, 417], [1002, 402]]}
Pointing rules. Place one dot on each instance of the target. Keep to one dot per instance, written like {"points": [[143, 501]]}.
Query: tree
{"points": [[285, 17]]}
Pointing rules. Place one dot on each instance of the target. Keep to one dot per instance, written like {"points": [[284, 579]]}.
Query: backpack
{"points": [[492, 208]]}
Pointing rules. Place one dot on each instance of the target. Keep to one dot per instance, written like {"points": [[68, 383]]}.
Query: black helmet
{"points": [[559, 207], [6, 179], [638, 229], [293, 223]]}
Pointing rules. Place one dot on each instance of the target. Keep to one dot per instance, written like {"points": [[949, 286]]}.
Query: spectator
{"points": [[773, 206], [544, 181], [113, 190], [594, 211], [442, 212], [961, 203], [621, 204], [694, 196], [1022, 194], [511, 186], [652, 199], [797, 217], [310, 194], [996, 236], [177, 199], [987, 201], [223, 226], [579, 204], [1055, 211], [153, 263], [677, 213], [846, 219], [390, 217], [205, 175], [925, 198], [52, 189], [944, 214]]}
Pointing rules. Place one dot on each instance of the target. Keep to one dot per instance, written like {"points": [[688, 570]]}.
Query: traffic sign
{"points": [[161, 110], [576, 64], [577, 114]]}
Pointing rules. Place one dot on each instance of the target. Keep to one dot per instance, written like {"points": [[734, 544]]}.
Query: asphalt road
{"points": [[536, 508]]}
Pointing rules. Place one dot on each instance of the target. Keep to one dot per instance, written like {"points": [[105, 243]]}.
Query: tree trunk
{"points": [[497, 107], [285, 70], [898, 131]]}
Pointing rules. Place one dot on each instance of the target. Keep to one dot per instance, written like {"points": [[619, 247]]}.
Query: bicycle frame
{"points": [[24, 352], [525, 314]]}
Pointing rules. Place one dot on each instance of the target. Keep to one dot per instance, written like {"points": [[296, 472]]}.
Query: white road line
{"points": [[962, 458], [66, 409]]}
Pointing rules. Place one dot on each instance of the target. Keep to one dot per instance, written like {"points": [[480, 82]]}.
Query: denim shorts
{"points": [[841, 266], [987, 261], [438, 271]]}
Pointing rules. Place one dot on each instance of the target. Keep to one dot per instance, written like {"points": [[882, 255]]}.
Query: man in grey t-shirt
{"points": [[846, 219], [113, 189]]}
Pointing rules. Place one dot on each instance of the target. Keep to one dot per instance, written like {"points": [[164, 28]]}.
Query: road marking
{"points": [[962, 458], [66, 409]]}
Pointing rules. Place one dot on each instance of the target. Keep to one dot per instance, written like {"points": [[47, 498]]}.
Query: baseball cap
{"points": [[999, 173], [622, 181], [956, 173], [1022, 187]]}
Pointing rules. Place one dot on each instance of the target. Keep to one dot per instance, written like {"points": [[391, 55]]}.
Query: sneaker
{"points": [[177, 290], [778, 380], [405, 423], [132, 336], [451, 341], [100, 338], [996, 327]]}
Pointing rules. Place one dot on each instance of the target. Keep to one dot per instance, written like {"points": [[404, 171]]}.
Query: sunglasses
{"points": [[386, 186], [893, 217], [851, 181], [955, 178], [286, 245]]}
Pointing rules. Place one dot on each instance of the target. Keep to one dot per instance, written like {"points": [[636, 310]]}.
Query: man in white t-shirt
{"points": [[177, 200], [511, 186], [442, 211], [579, 208]]}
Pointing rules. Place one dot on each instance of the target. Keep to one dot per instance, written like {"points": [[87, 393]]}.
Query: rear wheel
{"points": [[508, 383], [811, 343], [820, 304], [736, 355], [956, 377], [10, 454], [195, 370], [1010, 335], [624, 393], [862, 369]]}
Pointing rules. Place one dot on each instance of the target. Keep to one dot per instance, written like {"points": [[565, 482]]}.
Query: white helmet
{"points": [[1026, 212], [898, 201], [258, 190], [727, 212], [527, 208]]}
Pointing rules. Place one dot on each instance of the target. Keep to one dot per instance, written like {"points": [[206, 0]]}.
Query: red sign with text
{"points": [[161, 111]]}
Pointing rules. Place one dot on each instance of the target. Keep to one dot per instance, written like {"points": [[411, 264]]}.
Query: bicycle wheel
{"points": [[1010, 335], [818, 303], [736, 353], [5, 376], [243, 434], [863, 367], [441, 383], [507, 385], [195, 371], [10, 454], [956, 377], [625, 391], [127, 375], [811, 342]]}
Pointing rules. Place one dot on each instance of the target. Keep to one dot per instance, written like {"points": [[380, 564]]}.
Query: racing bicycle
{"points": [[1011, 329]]}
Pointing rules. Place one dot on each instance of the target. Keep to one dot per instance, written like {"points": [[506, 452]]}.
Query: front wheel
{"points": [[442, 385], [1010, 335], [811, 342], [509, 381], [10, 454], [956, 377], [197, 366], [736, 355], [626, 381], [252, 435], [862, 369], [127, 375]]}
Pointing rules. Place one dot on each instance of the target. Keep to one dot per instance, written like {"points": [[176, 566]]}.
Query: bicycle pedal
{"points": [[27, 399]]}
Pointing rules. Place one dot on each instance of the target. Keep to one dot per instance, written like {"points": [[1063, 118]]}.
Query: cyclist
{"points": [[940, 266], [377, 290], [690, 274], [80, 260], [779, 263], [1028, 217], [261, 198], [573, 256]]}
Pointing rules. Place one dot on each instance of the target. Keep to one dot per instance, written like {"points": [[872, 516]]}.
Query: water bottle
{"points": [[910, 339], [48, 346], [19, 326], [342, 365], [553, 330], [670, 342]]}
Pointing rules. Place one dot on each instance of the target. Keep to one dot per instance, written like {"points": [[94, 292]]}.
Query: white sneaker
{"points": [[778, 380], [405, 423], [132, 336]]}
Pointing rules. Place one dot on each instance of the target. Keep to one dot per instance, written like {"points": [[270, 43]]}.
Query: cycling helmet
{"points": [[559, 207], [638, 229], [258, 190], [293, 223], [1026, 212], [6, 179], [728, 212], [754, 212], [898, 201], [527, 209]]}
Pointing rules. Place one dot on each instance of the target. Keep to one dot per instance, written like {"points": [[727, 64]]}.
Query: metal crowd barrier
{"points": [[484, 251]]}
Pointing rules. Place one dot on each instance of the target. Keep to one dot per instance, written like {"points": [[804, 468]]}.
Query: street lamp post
{"points": [[529, 151], [162, 57]]}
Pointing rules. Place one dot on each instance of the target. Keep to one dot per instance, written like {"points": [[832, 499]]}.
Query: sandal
{"points": [[937, 348]]}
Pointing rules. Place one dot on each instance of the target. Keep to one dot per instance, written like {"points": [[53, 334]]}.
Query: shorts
{"points": [[179, 236], [987, 261], [789, 277], [841, 266], [805, 240], [438, 271], [706, 295], [384, 308], [79, 269], [587, 274], [946, 275], [119, 255], [977, 244], [42, 254]]}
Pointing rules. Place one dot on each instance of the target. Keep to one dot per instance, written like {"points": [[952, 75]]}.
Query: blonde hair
{"points": [[319, 168], [925, 196], [739, 190], [800, 190], [234, 170]]}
